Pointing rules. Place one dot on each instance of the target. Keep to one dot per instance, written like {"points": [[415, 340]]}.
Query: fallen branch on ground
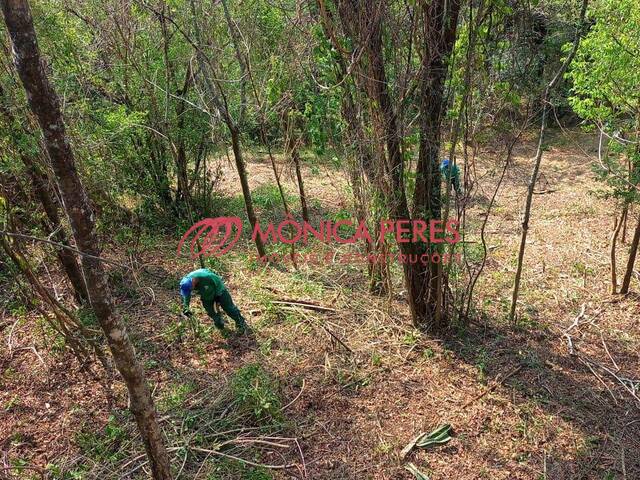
{"points": [[303, 304], [242, 460], [337, 339], [629, 384], [295, 399]]}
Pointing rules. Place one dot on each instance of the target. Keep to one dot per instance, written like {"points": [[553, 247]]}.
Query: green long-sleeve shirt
{"points": [[451, 174], [209, 286]]}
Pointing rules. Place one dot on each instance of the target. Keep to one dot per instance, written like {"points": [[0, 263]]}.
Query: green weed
{"points": [[103, 446], [256, 392], [225, 469]]}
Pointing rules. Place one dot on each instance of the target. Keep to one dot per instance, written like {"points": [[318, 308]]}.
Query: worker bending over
{"points": [[212, 290]]}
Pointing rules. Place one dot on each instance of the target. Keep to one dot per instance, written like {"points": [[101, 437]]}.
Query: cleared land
{"points": [[340, 392]]}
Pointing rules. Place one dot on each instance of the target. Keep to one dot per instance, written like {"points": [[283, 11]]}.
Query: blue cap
{"points": [[445, 162], [186, 285]]}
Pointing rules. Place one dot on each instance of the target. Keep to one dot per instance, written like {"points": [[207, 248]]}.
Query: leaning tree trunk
{"points": [[244, 183], [237, 153], [66, 257], [303, 196], [219, 102], [50, 205], [291, 146], [46, 107]]}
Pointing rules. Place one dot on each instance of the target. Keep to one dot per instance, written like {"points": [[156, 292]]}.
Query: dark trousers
{"points": [[230, 308]]}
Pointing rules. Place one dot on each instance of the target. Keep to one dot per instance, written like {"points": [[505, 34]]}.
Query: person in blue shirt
{"points": [[451, 174], [212, 290]]}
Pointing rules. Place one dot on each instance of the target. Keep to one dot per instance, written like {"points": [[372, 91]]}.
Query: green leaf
{"points": [[416, 473], [439, 436]]}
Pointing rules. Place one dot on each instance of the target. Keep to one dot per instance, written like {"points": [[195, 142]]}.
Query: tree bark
{"points": [[363, 23], [49, 202], [441, 22], [633, 250], [50, 205], [612, 253], [45, 105], [546, 97], [244, 183]]}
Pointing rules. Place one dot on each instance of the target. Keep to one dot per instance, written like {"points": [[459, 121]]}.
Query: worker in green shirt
{"points": [[212, 290], [451, 175]]}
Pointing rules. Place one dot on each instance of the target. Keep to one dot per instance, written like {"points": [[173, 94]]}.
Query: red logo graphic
{"points": [[212, 235]]}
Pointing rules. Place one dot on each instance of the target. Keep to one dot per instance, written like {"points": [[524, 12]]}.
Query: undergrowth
{"points": [[214, 430]]}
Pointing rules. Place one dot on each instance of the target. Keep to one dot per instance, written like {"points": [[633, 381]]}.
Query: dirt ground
{"points": [[356, 380]]}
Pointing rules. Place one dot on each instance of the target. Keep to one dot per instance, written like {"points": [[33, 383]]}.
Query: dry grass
{"points": [[353, 404]]}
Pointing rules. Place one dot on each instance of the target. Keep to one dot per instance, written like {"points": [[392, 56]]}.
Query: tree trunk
{"points": [[363, 22], [538, 159], [527, 208], [612, 253], [45, 105], [219, 101], [633, 250], [291, 145], [50, 205], [368, 158], [439, 38], [184, 187], [303, 197], [244, 183]]}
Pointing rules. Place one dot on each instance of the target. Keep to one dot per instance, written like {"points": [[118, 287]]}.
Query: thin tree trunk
{"points": [[303, 197], [50, 205], [538, 158], [244, 183], [184, 191], [614, 240], [291, 145], [243, 63], [483, 241], [218, 98], [627, 207], [527, 208], [633, 250], [46, 107]]}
